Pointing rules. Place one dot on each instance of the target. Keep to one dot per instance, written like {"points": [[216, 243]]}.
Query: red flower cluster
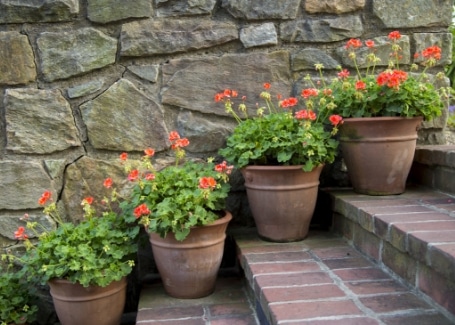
{"points": [[88, 200], [228, 93], [207, 182], [141, 210], [432, 52], [46, 196], [176, 141], [288, 102], [20, 234], [344, 74], [108, 182], [224, 168], [305, 114], [335, 119], [309, 92], [133, 175], [353, 43], [392, 78]]}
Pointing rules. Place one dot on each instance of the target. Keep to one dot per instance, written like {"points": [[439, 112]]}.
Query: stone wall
{"points": [[82, 81]]}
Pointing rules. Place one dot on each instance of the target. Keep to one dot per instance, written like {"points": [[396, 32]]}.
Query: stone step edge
{"points": [[394, 246]]}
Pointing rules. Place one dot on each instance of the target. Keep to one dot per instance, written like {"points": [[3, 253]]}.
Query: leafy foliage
{"points": [[177, 197], [96, 251], [16, 298], [280, 137]]}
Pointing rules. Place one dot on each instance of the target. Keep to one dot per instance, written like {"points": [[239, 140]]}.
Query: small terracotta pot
{"points": [[94, 305], [282, 200], [378, 152], [189, 268]]}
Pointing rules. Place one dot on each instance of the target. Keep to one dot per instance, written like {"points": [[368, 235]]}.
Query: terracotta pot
{"points": [[189, 268], [94, 305], [378, 152], [282, 200]]}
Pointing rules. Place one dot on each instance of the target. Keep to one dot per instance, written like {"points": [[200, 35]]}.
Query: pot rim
{"points": [[274, 167], [382, 118]]}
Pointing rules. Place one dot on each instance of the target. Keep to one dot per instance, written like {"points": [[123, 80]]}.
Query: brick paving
{"points": [[324, 280], [321, 280], [228, 305]]}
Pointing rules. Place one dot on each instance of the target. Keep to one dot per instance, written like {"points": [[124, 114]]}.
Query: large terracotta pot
{"points": [[378, 152], [94, 305], [189, 268], [282, 200]]}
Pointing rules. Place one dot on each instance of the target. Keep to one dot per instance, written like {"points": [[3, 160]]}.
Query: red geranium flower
{"points": [[207, 182]]}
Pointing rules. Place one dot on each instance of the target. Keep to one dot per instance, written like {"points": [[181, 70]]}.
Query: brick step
{"points": [[411, 235], [324, 280], [434, 166]]}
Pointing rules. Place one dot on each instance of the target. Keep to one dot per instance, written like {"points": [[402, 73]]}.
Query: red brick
{"points": [[394, 302], [235, 320], [198, 321], [418, 241], [343, 226], [442, 259], [347, 263], [438, 287], [361, 274], [420, 193], [369, 206], [330, 242], [429, 319], [400, 263], [290, 267], [382, 222], [292, 279], [229, 309], [302, 310], [443, 179], [444, 200], [375, 287], [301, 293], [367, 242], [336, 252], [170, 313], [268, 247], [399, 231], [399, 209], [342, 321], [278, 256]]}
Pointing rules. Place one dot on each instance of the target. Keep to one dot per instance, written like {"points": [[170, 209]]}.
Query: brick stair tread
{"points": [[229, 304], [324, 280], [419, 222]]}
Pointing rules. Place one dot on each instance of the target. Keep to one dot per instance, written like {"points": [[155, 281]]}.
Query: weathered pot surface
{"points": [[94, 305], [189, 268], [378, 152], [282, 200]]}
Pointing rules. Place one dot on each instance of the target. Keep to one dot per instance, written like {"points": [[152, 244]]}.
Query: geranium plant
{"points": [[183, 195], [392, 92], [279, 134], [16, 298], [96, 251]]}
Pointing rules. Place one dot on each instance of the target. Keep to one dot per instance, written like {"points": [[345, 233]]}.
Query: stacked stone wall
{"points": [[82, 81]]}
